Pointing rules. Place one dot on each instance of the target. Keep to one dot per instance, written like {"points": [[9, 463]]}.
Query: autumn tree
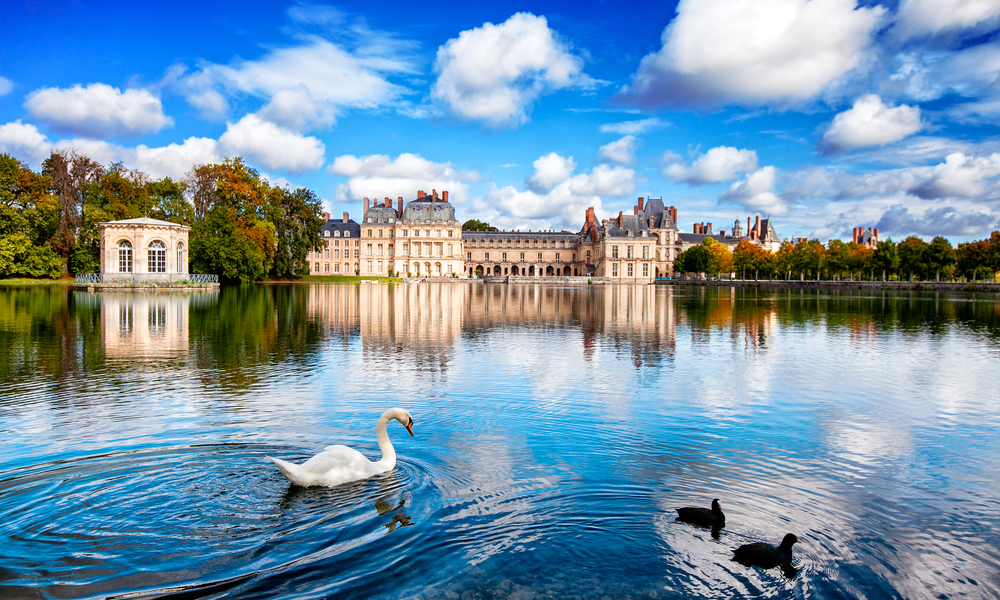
{"points": [[748, 256]]}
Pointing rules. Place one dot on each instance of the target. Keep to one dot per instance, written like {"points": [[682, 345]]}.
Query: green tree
{"points": [[973, 259], [807, 258], [696, 259], [886, 258], [297, 223], [477, 225], [940, 258], [837, 258], [781, 261], [722, 258], [28, 214], [912, 257], [71, 174]]}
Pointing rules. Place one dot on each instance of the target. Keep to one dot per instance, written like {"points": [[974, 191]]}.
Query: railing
{"points": [[140, 278]]}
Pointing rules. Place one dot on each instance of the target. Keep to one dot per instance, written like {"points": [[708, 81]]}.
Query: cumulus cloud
{"points": [[933, 17], [756, 192], [718, 164], [959, 176], [98, 110], [719, 52], [378, 176], [23, 141], [272, 146], [621, 151], [637, 127], [564, 200], [945, 221], [495, 73], [6, 85], [870, 123], [305, 85], [550, 170]]}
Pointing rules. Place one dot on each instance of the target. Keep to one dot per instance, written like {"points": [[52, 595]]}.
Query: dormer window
{"points": [[347, 234], [326, 233], [336, 234]]}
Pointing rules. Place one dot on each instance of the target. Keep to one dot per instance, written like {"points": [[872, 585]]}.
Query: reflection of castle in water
{"points": [[135, 325]]}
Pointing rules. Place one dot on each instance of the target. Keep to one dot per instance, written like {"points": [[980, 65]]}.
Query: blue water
{"points": [[556, 430]]}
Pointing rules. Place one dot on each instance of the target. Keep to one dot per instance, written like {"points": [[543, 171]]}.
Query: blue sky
{"points": [[822, 114]]}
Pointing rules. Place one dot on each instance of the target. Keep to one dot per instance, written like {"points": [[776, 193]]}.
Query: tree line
{"points": [[242, 228], [913, 259]]}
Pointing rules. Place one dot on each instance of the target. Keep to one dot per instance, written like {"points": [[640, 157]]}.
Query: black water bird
{"points": [[767, 556], [713, 517]]}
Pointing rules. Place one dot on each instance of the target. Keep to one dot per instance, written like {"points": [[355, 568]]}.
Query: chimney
{"points": [[366, 207], [444, 196], [619, 218], [399, 212], [420, 194], [673, 215], [435, 192], [854, 235], [345, 217], [640, 203], [326, 216], [635, 210], [387, 202], [708, 229], [756, 227], [876, 235], [694, 228], [749, 229]]}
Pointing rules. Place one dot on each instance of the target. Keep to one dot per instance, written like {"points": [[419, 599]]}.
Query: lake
{"points": [[557, 428]]}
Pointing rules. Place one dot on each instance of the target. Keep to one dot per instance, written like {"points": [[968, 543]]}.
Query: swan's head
{"points": [[404, 417]]}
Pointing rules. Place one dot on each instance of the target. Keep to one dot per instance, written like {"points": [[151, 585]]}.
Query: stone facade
{"points": [[156, 250], [424, 238]]}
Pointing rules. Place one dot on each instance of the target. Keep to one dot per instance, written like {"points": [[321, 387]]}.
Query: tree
{"points": [[913, 256], [940, 258], [837, 258], [807, 257], [28, 215], [297, 223], [71, 174], [696, 259], [858, 258], [748, 256], [886, 258], [477, 225], [973, 259], [722, 258], [781, 261]]}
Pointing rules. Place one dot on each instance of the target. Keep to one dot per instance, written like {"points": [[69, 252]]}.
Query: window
{"points": [[368, 248], [357, 254], [645, 251], [369, 233], [504, 257], [157, 257], [416, 233], [630, 253], [487, 256], [316, 267], [630, 269], [468, 256], [390, 249], [380, 233], [379, 250], [437, 233], [336, 253], [539, 257], [326, 253], [406, 233], [181, 267], [406, 248], [614, 269], [451, 233], [645, 269], [522, 257], [326, 267], [326, 233], [124, 257], [614, 251], [448, 249], [347, 234], [369, 265], [574, 257], [588, 253], [336, 267], [336, 234], [557, 257]]}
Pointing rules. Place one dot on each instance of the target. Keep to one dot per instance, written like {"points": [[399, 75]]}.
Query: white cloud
{"points": [[174, 160], [495, 73], [633, 127], [756, 192], [959, 176], [932, 17], [565, 201], [24, 142], [621, 151], [718, 164], [6, 85], [379, 176], [306, 85], [98, 110], [272, 146], [550, 170], [753, 52], [870, 123]]}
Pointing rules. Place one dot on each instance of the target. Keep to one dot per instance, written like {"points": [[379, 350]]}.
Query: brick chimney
{"points": [[673, 215], [444, 196], [399, 211], [387, 202], [619, 218], [346, 218], [420, 194], [435, 195], [367, 201], [640, 203], [326, 217], [756, 227], [635, 210], [875, 234], [854, 235], [708, 229]]}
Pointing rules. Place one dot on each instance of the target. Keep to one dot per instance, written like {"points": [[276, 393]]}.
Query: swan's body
{"points": [[713, 517], [339, 464]]}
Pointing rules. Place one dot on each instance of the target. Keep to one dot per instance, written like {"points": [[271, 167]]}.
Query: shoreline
{"points": [[923, 286]]}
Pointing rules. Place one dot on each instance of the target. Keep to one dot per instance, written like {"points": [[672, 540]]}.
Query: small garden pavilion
{"points": [[156, 251]]}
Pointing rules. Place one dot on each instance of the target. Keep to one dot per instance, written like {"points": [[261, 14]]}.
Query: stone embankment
{"points": [[927, 286]]}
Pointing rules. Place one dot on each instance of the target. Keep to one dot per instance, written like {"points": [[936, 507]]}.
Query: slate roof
{"points": [[661, 218], [426, 209], [339, 225], [380, 213], [632, 226]]}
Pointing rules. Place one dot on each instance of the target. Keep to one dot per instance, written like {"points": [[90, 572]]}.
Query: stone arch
{"points": [[514, 270], [531, 271], [566, 271], [548, 271], [496, 270], [416, 269], [437, 269], [479, 270]]}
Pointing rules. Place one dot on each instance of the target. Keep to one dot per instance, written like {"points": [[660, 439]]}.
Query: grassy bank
{"points": [[39, 281]]}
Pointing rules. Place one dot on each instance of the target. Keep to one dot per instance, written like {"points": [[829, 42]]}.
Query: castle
{"points": [[425, 239]]}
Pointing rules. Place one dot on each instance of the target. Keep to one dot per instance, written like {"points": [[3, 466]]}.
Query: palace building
{"points": [[424, 238]]}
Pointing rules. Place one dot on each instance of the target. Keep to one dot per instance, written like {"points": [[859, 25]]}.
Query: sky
{"points": [[823, 115]]}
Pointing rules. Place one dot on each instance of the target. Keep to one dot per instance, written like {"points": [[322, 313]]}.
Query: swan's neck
{"points": [[388, 452]]}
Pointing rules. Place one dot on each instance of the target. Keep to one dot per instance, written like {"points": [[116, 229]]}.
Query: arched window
{"points": [[347, 234], [181, 267], [326, 233], [124, 257], [157, 258]]}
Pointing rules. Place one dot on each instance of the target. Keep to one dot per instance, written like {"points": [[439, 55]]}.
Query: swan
{"points": [[705, 517], [339, 464]]}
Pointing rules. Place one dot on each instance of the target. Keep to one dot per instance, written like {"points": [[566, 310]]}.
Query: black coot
{"points": [[705, 517], [764, 555]]}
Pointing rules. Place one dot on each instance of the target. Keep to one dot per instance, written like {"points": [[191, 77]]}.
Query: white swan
{"points": [[339, 464]]}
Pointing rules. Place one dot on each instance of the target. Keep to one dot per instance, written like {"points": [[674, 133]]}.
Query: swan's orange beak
{"points": [[409, 427]]}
